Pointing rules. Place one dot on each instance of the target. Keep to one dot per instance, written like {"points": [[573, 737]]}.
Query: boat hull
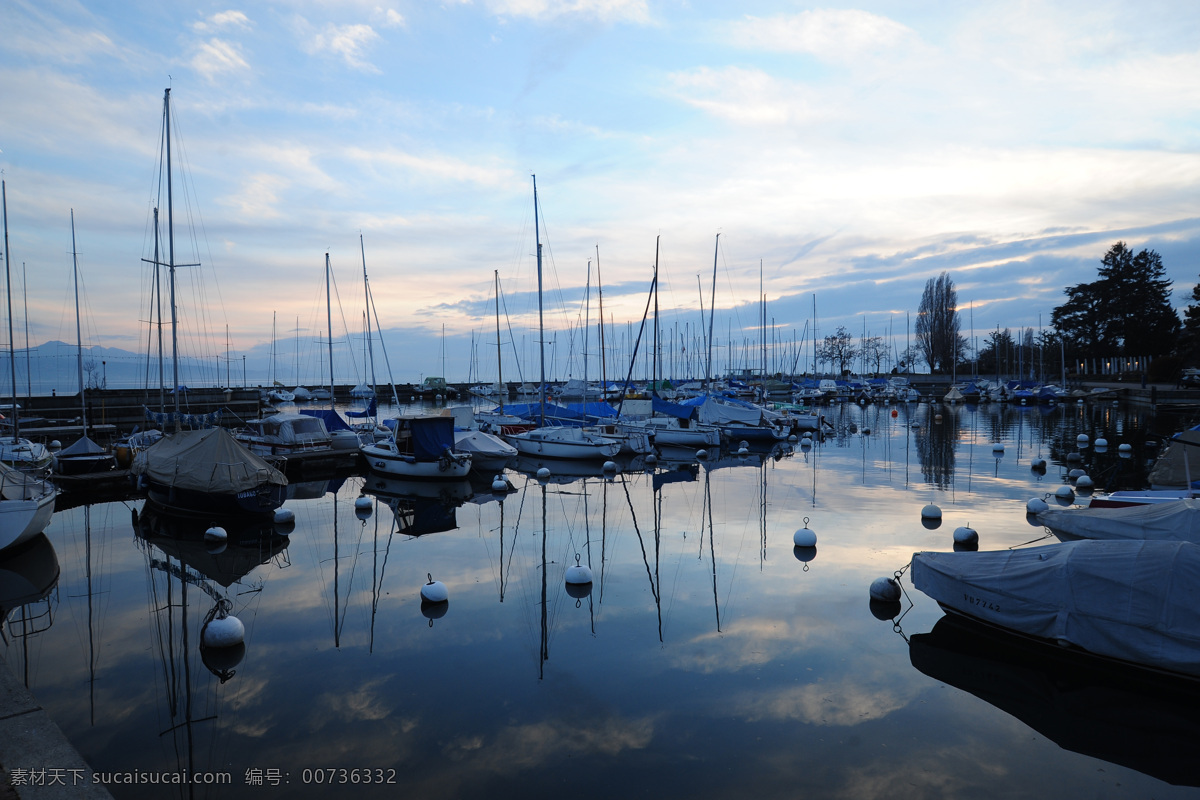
{"points": [[21, 520], [385, 461], [261, 500]]}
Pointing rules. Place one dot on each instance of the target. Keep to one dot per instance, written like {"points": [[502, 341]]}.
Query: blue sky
{"points": [[855, 150]]}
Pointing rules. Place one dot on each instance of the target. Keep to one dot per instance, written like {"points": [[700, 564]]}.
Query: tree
{"points": [[1126, 311], [1189, 341], [938, 325], [874, 352], [839, 350]]}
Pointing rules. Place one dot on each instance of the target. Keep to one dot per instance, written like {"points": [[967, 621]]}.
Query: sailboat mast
{"points": [[499, 359], [12, 361], [162, 380], [78, 331], [600, 296], [329, 321], [712, 303], [537, 236], [171, 255], [367, 299]]}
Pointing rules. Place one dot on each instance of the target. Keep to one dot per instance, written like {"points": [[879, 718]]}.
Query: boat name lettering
{"points": [[979, 601]]}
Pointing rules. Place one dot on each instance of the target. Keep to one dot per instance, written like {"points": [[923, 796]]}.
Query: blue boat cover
{"points": [[369, 411], [679, 410], [431, 436], [333, 421]]}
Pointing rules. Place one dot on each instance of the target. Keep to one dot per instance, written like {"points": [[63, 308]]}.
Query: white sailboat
{"points": [[555, 441]]}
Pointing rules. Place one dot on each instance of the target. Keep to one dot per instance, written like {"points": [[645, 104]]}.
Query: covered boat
{"points": [[208, 472], [26, 505], [1177, 520], [1134, 602], [421, 447], [285, 434]]}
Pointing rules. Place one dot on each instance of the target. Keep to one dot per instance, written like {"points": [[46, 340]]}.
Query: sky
{"points": [[846, 153]]}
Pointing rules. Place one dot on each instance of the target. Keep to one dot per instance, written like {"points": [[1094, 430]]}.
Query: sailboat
{"points": [[555, 441], [205, 472], [24, 455], [83, 456]]}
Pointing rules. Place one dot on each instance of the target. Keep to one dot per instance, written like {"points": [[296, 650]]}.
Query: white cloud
{"points": [[391, 18], [748, 96], [602, 10], [222, 20], [216, 57], [436, 166], [350, 42], [828, 34]]}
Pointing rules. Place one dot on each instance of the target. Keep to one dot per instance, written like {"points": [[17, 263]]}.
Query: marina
{"points": [[707, 656]]}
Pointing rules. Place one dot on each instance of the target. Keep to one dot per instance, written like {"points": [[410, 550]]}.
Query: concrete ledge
{"points": [[29, 741]]}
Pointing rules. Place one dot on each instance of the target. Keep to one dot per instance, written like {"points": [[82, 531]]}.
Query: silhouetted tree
{"points": [[938, 325], [839, 350]]}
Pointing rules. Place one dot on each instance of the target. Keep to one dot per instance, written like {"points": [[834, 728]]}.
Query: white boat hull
{"points": [[569, 443], [386, 461]]}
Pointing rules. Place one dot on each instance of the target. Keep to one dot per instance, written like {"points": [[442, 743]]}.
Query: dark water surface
{"points": [[708, 660]]}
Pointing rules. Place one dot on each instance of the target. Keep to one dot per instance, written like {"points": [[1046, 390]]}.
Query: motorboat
{"points": [[560, 441], [420, 447], [285, 434], [1177, 520], [1126, 601]]}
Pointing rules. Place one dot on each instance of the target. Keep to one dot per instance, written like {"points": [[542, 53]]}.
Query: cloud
{"points": [[437, 166], [222, 20], [747, 96], [216, 57], [390, 17], [601, 10], [350, 42], [829, 34]]}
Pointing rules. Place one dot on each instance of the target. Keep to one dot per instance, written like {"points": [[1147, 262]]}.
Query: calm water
{"points": [[709, 659]]}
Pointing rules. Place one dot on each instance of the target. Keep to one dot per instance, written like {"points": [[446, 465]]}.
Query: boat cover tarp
{"points": [[678, 410], [17, 485], [210, 461], [83, 446], [482, 444], [1177, 520], [431, 436], [333, 420], [559, 415], [369, 411], [1178, 462], [593, 410], [1138, 601]]}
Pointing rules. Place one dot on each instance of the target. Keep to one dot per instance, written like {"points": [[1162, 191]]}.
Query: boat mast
{"points": [[712, 303], [367, 300], [8, 282], [499, 359], [541, 323], [171, 256], [78, 332], [600, 295], [329, 321]]}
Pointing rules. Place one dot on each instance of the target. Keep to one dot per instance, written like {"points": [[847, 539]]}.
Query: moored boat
{"points": [[421, 447]]}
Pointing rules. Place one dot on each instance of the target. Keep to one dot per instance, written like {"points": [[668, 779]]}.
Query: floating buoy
{"points": [[1084, 483], [895, 413], [499, 484], [998, 447], [743, 448], [1064, 494], [284, 515], [1075, 473], [543, 473], [578, 573], [611, 466], [223, 632], [701, 453], [885, 590], [804, 537], [966, 547], [1038, 463], [1082, 438], [216, 534], [434, 591], [866, 431], [930, 511], [1101, 443], [650, 459], [1074, 457], [1036, 505], [806, 443], [1125, 447], [793, 439], [965, 535], [937, 418], [437, 398], [55, 445]]}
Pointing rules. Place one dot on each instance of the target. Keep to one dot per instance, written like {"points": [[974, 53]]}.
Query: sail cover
{"points": [[1173, 520], [210, 461], [1138, 601]]}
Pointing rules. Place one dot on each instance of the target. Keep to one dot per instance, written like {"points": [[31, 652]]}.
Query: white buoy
{"points": [[743, 448], [610, 466], [701, 453], [578, 573], [1101, 443], [1082, 438], [543, 473], [1125, 447], [793, 439], [216, 534], [650, 459], [1075, 473], [806, 443], [1064, 493], [965, 535], [885, 589], [284, 515], [1084, 483], [55, 445], [1036, 505], [804, 537], [434, 591], [998, 447], [1074, 457], [223, 632], [499, 484], [1037, 463], [931, 511]]}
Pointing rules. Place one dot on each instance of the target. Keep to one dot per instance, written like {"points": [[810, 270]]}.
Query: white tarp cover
{"points": [[1179, 462], [204, 461], [1172, 520], [1138, 601], [715, 411]]}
